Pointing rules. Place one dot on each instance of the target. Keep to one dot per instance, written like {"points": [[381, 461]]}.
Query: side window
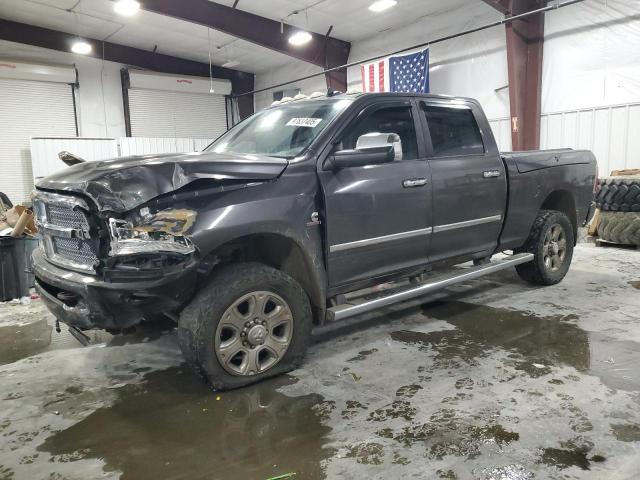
{"points": [[386, 120], [454, 131]]}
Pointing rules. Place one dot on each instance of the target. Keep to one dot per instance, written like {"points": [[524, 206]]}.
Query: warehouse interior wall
{"points": [[591, 55], [99, 103], [294, 69], [472, 66]]}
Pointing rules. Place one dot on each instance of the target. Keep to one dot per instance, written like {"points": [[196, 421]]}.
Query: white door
{"points": [[29, 109], [159, 113]]}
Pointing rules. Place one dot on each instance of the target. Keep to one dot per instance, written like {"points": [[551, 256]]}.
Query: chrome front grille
{"points": [[66, 231], [64, 216], [83, 252]]}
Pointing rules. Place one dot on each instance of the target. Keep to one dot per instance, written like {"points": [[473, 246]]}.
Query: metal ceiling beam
{"points": [[113, 52], [525, 40], [322, 50]]}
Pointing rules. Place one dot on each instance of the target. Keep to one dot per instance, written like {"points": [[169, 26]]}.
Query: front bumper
{"points": [[86, 301]]}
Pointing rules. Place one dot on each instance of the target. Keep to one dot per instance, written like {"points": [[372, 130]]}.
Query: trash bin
{"points": [[30, 244], [13, 281]]}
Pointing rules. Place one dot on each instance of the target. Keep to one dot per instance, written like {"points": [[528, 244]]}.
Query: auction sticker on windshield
{"points": [[304, 122]]}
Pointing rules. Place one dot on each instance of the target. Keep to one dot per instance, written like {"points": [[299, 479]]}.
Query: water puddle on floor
{"points": [[173, 426], [536, 343]]}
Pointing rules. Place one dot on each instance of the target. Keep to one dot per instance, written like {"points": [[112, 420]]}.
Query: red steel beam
{"points": [[525, 40], [113, 52], [322, 50]]}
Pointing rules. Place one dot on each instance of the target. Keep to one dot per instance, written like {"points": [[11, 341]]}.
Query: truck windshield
{"points": [[284, 131]]}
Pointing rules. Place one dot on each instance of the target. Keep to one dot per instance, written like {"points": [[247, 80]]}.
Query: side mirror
{"points": [[371, 149]]}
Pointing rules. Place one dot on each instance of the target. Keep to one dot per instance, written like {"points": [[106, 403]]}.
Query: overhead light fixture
{"points": [[231, 64], [81, 47], [300, 38], [126, 7], [382, 5]]}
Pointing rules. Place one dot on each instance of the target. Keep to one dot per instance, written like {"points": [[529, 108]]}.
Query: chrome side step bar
{"points": [[342, 312]]}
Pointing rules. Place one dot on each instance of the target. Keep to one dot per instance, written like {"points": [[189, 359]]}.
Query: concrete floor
{"points": [[496, 380]]}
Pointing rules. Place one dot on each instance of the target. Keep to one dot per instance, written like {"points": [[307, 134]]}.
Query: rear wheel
{"points": [[551, 242], [249, 323]]}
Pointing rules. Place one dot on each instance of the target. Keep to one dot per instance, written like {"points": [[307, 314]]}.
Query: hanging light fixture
{"points": [[126, 8], [300, 38], [81, 47]]}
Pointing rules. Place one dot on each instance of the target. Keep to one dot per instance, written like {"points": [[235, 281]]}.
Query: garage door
{"points": [[163, 105], [157, 113], [29, 109]]}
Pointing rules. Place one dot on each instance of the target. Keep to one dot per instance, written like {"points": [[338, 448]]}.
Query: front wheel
{"points": [[249, 323], [551, 242]]}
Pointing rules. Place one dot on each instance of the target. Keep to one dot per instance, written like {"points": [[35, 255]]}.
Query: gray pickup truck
{"points": [[262, 239]]}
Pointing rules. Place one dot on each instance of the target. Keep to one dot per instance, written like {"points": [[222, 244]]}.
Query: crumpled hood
{"points": [[121, 184]]}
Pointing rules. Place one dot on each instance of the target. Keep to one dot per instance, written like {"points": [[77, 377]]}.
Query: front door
{"points": [[378, 217], [469, 181]]}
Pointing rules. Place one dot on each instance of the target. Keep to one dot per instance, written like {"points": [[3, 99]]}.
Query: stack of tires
{"points": [[619, 202]]}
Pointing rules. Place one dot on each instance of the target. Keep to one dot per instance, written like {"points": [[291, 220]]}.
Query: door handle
{"points": [[414, 182], [491, 173]]}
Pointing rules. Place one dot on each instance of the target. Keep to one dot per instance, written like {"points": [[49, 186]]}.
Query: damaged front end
{"points": [[144, 265]]}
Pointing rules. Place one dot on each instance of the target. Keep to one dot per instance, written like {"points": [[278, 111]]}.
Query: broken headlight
{"points": [[163, 232]]}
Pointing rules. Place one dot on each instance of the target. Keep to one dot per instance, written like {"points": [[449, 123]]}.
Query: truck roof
{"points": [[353, 95]]}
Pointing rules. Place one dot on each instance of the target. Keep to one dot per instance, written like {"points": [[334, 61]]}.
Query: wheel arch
{"points": [[563, 201], [281, 252]]}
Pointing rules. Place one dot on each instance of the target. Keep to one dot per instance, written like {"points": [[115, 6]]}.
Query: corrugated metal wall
{"points": [[612, 133]]}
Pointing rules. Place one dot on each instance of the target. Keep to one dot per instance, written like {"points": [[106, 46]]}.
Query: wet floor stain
{"points": [[571, 455], [173, 426], [626, 432], [449, 433], [362, 355], [537, 343]]}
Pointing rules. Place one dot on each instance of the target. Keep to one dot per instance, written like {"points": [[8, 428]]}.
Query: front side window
{"points": [[397, 120], [454, 131], [284, 131]]}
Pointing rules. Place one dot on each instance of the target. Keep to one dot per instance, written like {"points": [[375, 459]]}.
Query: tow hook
{"points": [[78, 335]]}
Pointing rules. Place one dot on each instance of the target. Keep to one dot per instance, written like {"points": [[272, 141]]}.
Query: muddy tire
{"points": [[620, 227], [551, 242], [249, 323], [619, 194]]}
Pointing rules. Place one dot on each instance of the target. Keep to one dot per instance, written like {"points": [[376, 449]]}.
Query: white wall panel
{"points": [[44, 152], [612, 133], [502, 133]]}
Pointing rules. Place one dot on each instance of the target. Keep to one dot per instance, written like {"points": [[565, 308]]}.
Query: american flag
{"points": [[405, 73]]}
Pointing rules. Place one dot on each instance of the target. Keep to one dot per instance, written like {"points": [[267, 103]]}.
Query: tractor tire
{"points": [[620, 227], [619, 194]]}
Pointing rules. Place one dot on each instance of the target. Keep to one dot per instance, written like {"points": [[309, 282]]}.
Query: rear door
{"points": [[469, 181], [378, 217]]}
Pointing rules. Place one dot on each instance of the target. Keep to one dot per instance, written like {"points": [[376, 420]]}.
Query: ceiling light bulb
{"points": [[81, 47], [126, 7], [300, 38], [382, 5]]}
